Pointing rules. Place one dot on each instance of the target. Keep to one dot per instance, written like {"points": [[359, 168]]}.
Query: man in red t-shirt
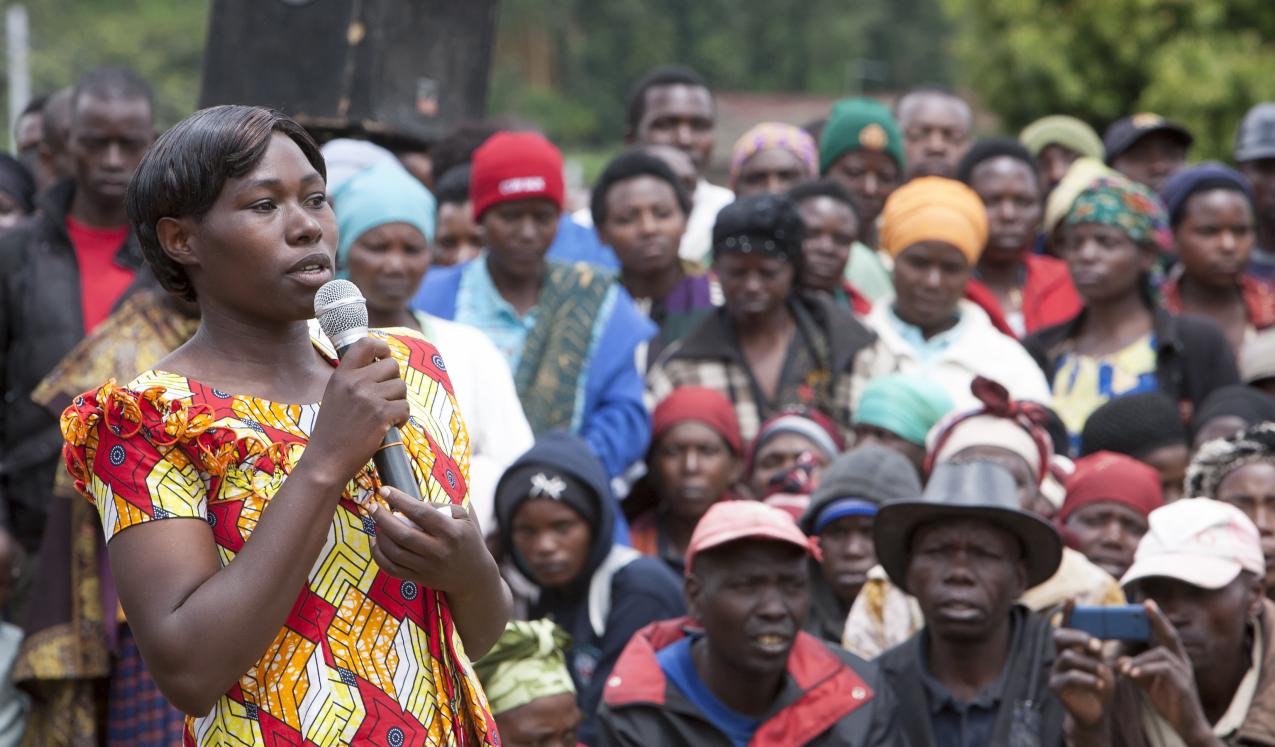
{"points": [[60, 275]]}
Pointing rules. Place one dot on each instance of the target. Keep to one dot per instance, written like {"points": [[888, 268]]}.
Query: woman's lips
{"points": [[311, 276]]}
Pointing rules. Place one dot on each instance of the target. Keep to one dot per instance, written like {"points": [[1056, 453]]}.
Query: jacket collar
{"points": [[1164, 326], [1030, 657], [820, 689], [54, 206], [714, 337], [711, 339], [972, 328], [55, 202], [1257, 296]]}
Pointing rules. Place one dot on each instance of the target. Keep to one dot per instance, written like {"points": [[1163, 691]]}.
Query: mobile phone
{"points": [[1125, 623]]}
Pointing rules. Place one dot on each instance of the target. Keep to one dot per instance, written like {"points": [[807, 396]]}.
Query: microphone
{"points": [[342, 313]]}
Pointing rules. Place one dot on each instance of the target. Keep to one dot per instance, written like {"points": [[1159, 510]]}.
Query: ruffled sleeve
{"points": [[130, 454]]}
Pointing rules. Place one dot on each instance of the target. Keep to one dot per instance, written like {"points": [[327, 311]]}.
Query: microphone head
{"points": [[341, 311]]}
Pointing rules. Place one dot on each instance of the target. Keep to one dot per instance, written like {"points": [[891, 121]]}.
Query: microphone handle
{"points": [[393, 466], [392, 463]]}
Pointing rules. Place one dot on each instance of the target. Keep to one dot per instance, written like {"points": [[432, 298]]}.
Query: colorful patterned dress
{"points": [[363, 658], [1083, 383]]}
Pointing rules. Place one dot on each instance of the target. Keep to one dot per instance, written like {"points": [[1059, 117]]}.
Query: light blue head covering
{"points": [[346, 157], [380, 194], [907, 405]]}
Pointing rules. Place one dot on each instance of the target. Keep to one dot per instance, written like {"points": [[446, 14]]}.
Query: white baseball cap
{"points": [[1199, 541]]}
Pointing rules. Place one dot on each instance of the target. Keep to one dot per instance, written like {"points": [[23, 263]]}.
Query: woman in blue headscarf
{"points": [[386, 222]]}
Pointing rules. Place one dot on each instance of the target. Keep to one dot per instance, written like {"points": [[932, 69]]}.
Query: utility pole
{"points": [[16, 48]]}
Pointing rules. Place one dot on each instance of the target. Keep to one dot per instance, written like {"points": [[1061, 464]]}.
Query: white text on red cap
{"points": [[522, 184]]}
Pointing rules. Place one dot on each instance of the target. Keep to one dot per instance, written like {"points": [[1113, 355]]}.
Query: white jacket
{"points": [[488, 400], [697, 240], [979, 349]]}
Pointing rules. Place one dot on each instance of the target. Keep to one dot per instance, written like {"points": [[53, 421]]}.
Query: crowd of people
{"points": [[852, 450]]}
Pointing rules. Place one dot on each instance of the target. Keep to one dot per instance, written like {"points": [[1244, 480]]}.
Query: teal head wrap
{"points": [[907, 405], [380, 194]]}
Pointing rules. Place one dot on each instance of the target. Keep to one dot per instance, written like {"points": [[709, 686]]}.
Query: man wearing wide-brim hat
{"points": [[979, 669]]}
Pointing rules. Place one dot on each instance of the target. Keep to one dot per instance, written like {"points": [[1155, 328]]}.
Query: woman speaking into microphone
{"points": [[276, 591]]}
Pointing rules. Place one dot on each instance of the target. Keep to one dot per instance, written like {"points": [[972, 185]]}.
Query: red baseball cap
{"points": [[730, 521], [515, 166]]}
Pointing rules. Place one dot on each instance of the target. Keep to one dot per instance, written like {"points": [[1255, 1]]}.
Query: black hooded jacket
{"points": [[618, 593], [41, 320]]}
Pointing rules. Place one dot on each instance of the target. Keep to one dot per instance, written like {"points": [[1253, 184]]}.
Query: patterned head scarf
{"points": [[1219, 458], [1082, 172], [526, 664], [1121, 203], [769, 135]]}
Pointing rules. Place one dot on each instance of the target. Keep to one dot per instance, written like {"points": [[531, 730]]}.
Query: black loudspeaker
{"points": [[400, 71]]}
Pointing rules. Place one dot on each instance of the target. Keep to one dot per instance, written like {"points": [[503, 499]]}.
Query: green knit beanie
{"points": [[859, 123]]}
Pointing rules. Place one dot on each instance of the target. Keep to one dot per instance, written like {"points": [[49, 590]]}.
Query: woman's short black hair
{"points": [[989, 148], [185, 169], [630, 165], [829, 188]]}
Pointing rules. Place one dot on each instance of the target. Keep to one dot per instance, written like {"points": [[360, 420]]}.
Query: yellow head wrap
{"points": [[932, 208]]}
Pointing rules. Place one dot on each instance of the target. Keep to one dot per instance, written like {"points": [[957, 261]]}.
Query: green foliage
{"points": [[1202, 62], [594, 50], [566, 65], [162, 40]]}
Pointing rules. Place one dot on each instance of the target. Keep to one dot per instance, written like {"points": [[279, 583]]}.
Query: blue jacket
{"points": [[614, 419], [577, 243]]}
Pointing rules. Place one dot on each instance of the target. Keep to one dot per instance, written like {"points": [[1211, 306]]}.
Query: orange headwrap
{"points": [[932, 208]]}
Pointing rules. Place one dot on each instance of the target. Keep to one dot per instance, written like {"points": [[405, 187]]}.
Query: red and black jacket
{"points": [[830, 697]]}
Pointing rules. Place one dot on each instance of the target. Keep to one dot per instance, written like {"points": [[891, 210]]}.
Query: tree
{"points": [[1201, 62], [568, 64], [160, 39]]}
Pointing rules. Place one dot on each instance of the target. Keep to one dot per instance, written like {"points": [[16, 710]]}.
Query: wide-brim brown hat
{"points": [[973, 490]]}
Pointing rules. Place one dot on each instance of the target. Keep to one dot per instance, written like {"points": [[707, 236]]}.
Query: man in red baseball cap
{"points": [[740, 670], [567, 331]]}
